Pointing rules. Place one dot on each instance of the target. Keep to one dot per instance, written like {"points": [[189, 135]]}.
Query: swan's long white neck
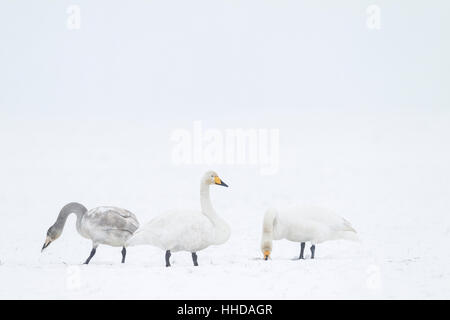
{"points": [[221, 227], [269, 224]]}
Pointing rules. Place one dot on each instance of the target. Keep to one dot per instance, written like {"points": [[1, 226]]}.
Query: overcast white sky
{"points": [[232, 59]]}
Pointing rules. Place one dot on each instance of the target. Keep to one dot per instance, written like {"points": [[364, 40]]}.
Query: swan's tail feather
{"points": [[350, 235], [348, 232], [348, 226], [136, 240]]}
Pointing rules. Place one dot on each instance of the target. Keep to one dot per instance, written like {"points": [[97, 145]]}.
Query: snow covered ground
{"points": [[363, 117], [392, 184]]}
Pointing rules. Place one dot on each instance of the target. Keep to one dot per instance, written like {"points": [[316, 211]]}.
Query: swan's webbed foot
{"points": [[124, 254], [168, 258], [302, 249], [194, 259], [91, 255], [313, 250]]}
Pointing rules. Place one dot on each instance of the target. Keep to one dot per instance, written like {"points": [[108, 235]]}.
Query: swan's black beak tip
{"points": [[219, 182], [46, 244]]}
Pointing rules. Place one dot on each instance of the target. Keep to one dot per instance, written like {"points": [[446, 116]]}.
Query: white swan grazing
{"points": [[103, 225], [302, 224], [183, 230]]}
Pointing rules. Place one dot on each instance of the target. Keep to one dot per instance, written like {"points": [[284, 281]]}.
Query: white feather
{"points": [[185, 230], [304, 224]]}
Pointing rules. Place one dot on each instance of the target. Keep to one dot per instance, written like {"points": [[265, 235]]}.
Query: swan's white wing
{"points": [[314, 224], [176, 230], [320, 216]]}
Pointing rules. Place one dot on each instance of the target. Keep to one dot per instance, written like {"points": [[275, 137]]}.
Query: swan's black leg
{"points": [[194, 259], [302, 248], [167, 258], [124, 254], [91, 255], [313, 250]]}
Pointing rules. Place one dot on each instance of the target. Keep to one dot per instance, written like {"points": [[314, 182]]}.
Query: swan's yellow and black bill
{"points": [[266, 255], [220, 182], [46, 244]]}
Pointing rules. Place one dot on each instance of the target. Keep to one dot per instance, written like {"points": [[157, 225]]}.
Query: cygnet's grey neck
{"points": [[67, 210]]}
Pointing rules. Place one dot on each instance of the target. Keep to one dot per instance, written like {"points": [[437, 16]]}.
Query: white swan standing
{"points": [[103, 225], [302, 224], [182, 230]]}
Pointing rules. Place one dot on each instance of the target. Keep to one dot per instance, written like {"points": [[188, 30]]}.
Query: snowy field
{"points": [[364, 123], [392, 184]]}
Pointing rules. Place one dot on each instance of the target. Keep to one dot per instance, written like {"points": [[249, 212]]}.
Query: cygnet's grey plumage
{"points": [[103, 225]]}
